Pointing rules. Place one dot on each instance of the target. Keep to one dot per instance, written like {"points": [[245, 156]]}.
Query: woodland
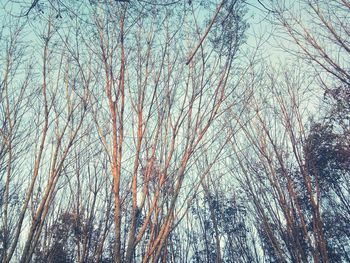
{"points": [[174, 131]]}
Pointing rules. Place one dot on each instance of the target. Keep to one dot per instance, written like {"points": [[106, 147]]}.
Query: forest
{"points": [[174, 131]]}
